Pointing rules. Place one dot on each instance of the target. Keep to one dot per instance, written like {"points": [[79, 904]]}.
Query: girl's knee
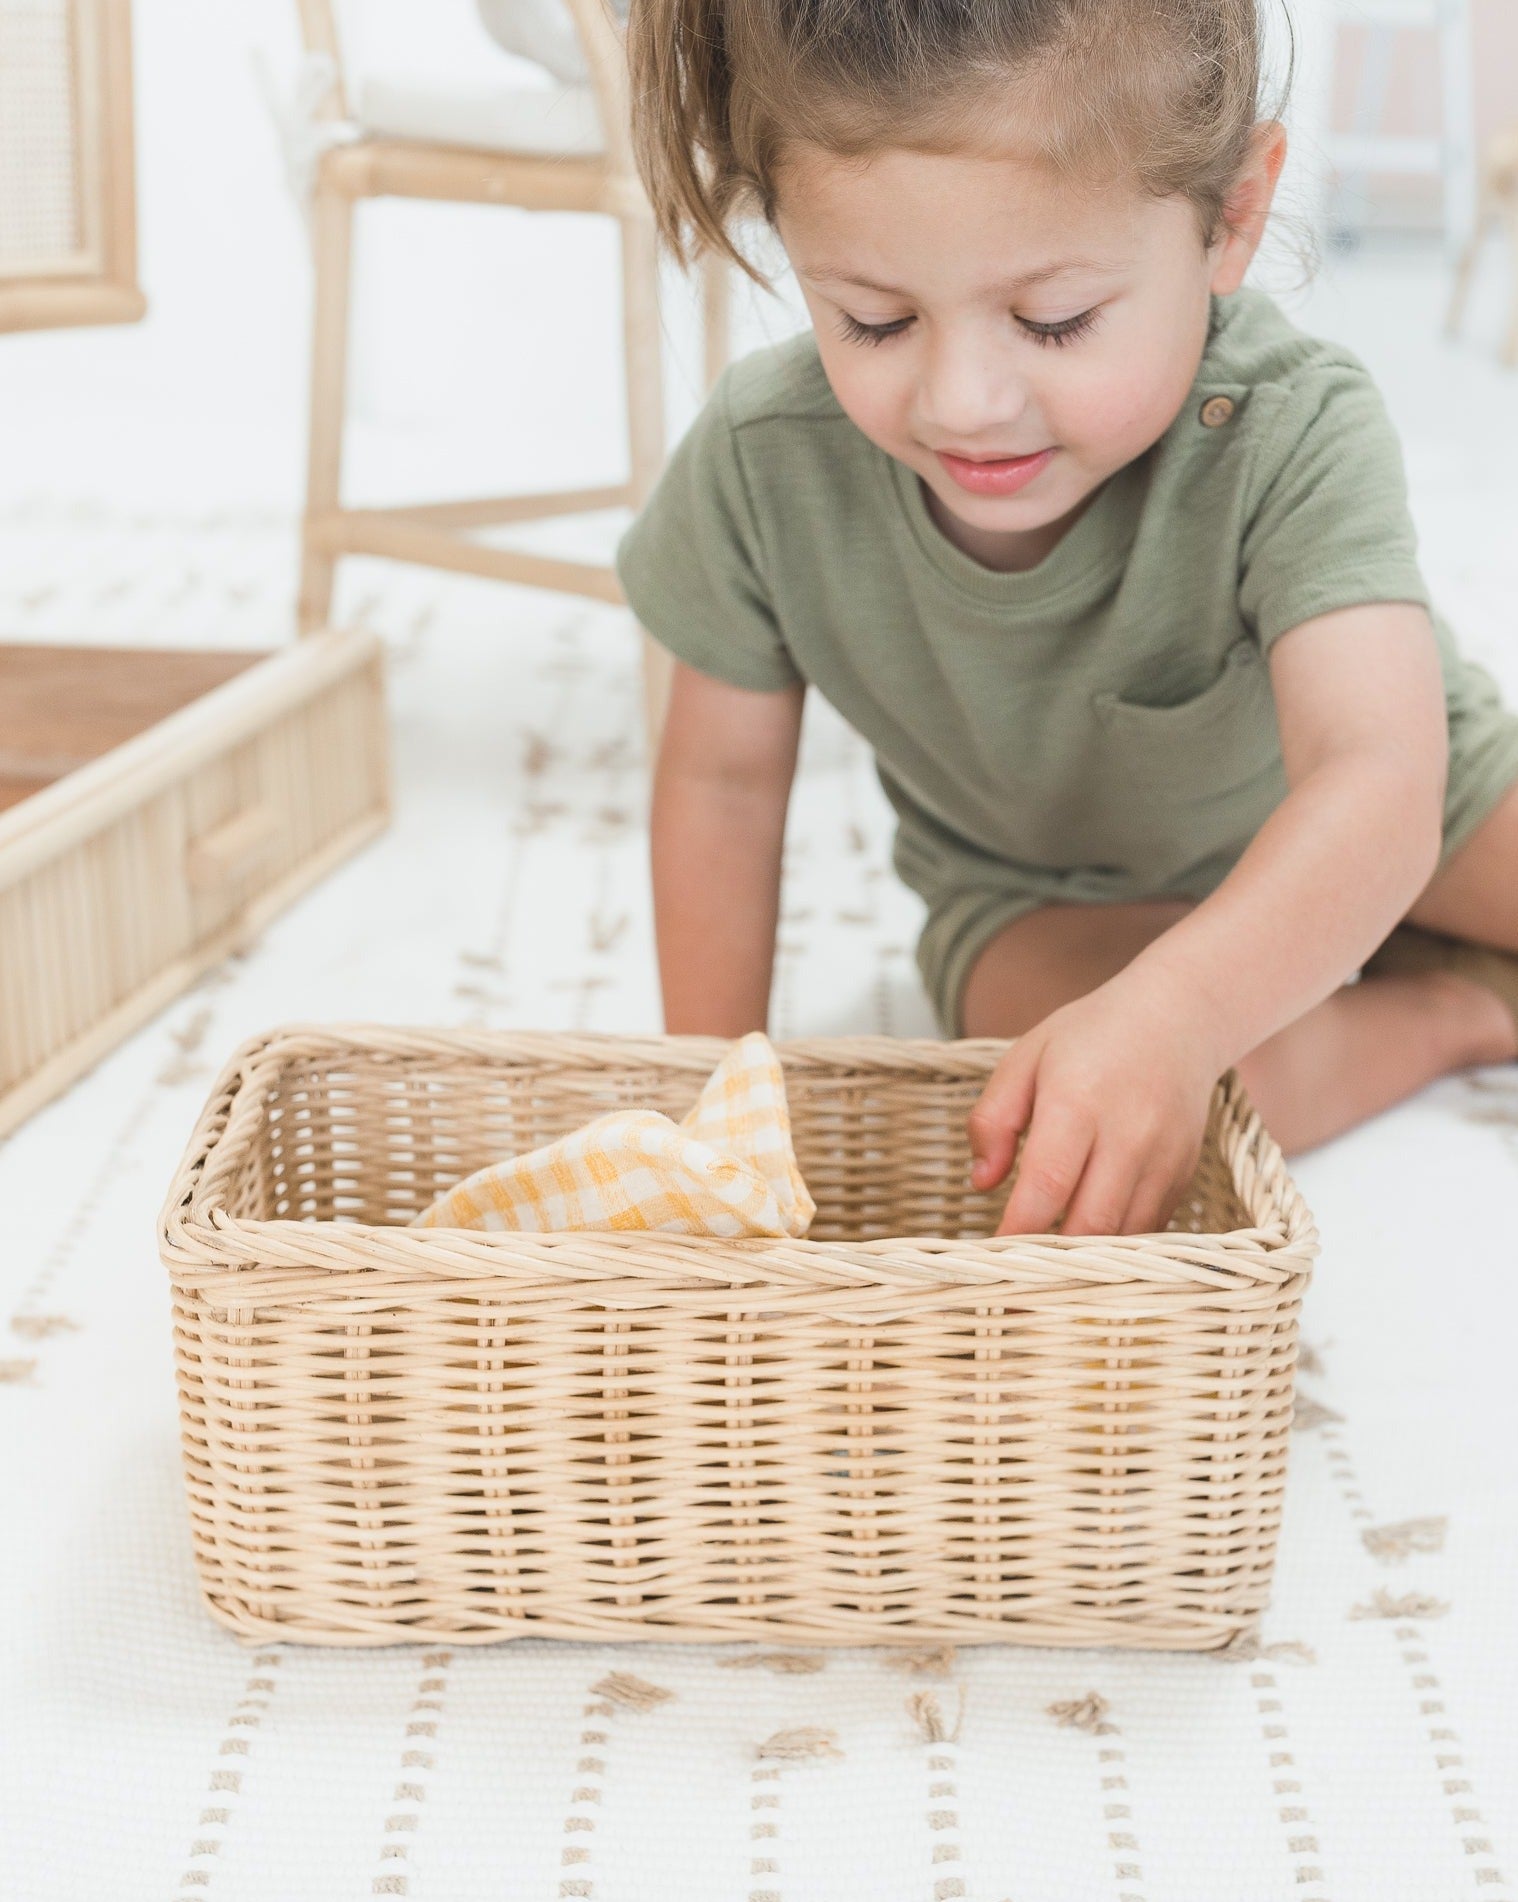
{"points": [[1050, 957]]}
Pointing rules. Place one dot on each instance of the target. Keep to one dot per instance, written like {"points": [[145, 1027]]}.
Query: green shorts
{"points": [[965, 915]]}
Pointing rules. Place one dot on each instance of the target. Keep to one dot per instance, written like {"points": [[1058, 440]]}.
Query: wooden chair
{"points": [[1496, 201], [570, 176]]}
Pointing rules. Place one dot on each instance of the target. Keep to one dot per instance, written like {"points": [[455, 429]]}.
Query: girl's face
{"points": [[1011, 337]]}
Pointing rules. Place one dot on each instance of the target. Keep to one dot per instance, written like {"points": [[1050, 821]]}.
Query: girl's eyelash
{"points": [[857, 332], [1065, 331]]}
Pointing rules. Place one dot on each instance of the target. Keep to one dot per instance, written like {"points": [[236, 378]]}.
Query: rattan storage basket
{"points": [[157, 809], [894, 1430]]}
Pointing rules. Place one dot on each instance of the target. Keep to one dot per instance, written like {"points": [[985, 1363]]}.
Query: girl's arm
{"points": [[1113, 1089], [1365, 740], [721, 787]]}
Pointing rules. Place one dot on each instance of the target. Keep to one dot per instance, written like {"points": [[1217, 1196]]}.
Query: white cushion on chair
{"points": [[542, 31], [555, 121]]}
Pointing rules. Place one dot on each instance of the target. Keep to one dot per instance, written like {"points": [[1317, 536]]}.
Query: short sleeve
{"points": [[1328, 525], [692, 567]]}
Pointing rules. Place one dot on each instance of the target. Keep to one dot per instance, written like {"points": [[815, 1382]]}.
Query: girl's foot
{"points": [[1411, 951]]}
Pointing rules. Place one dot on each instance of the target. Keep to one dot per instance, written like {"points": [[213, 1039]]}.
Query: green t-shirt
{"points": [[1100, 725]]}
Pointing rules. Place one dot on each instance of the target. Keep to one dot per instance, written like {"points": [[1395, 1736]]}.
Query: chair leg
{"points": [[658, 671], [332, 236], [643, 355], [1507, 352], [644, 371], [1466, 266], [1509, 214], [716, 315]]}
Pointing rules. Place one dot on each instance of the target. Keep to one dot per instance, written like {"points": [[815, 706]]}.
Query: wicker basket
{"points": [[157, 808], [895, 1430]]}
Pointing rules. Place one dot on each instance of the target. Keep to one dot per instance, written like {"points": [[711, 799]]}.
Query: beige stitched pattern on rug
{"points": [[146, 1752]]}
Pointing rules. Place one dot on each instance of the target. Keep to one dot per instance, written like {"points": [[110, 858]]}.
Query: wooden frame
{"points": [[434, 533], [91, 278], [171, 804]]}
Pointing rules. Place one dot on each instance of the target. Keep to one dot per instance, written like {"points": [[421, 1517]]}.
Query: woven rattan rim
{"points": [[202, 1244]]}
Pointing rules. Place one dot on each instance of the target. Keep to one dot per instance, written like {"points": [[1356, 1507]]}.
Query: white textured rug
{"points": [[1368, 1753]]}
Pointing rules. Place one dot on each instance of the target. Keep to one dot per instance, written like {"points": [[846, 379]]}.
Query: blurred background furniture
{"points": [[68, 233], [1496, 203], [1380, 129], [1418, 129], [157, 804], [565, 148]]}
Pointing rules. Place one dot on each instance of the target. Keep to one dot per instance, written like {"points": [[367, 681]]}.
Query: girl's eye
{"points": [[1065, 331], [857, 332]]}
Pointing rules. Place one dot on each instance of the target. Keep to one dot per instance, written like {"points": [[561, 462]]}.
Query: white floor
{"points": [[147, 496]]}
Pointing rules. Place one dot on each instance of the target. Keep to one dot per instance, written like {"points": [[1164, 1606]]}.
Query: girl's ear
{"points": [[1247, 207]]}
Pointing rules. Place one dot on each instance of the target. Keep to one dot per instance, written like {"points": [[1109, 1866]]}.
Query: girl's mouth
{"points": [[1004, 476]]}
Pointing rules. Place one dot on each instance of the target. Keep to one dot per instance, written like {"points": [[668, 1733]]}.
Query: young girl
{"points": [[1109, 563]]}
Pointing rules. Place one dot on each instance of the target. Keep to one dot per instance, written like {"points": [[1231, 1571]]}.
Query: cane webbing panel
{"points": [[40, 223]]}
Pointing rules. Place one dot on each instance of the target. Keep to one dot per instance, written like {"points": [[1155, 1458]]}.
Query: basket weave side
{"points": [[198, 827], [395, 1433]]}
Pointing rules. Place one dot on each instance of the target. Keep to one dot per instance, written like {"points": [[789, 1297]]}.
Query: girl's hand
{"points": [[1113, 1093]]}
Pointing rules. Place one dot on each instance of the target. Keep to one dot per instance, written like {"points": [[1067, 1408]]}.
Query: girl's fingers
{"points": [[1155, 1198], [1104, 1192], [1151, 1205], [1054, 1155], [1001, 1114]]}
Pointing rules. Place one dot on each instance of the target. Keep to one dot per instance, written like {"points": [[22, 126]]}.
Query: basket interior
{"points": [[362, 1136], [62, 706]]}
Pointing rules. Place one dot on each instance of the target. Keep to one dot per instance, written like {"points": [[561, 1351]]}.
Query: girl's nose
{"points": [[966, 397]]}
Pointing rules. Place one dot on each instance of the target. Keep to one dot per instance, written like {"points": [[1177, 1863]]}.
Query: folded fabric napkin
{"points": [[727, 1168]]}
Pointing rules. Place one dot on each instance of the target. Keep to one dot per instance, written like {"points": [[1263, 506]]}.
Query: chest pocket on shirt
{"points": [[1199, 777]]}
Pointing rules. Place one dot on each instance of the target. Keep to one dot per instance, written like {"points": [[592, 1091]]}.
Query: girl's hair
{"points": [[1165, 92]]}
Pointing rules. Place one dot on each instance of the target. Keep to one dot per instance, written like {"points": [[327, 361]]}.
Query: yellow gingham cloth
{"points": [[727, 1168]]}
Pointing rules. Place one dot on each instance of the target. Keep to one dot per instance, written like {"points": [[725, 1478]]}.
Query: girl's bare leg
{"points": [[1358, 1052], [1369, 1046], [1475, 896]]}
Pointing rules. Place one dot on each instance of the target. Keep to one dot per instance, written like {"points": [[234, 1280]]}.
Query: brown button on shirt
{"points": [[1217, 410]]}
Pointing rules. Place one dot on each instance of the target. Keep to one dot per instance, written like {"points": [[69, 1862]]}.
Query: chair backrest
{"points": [[543, 31], [318, 28], [577, 40], [606, 57]]}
